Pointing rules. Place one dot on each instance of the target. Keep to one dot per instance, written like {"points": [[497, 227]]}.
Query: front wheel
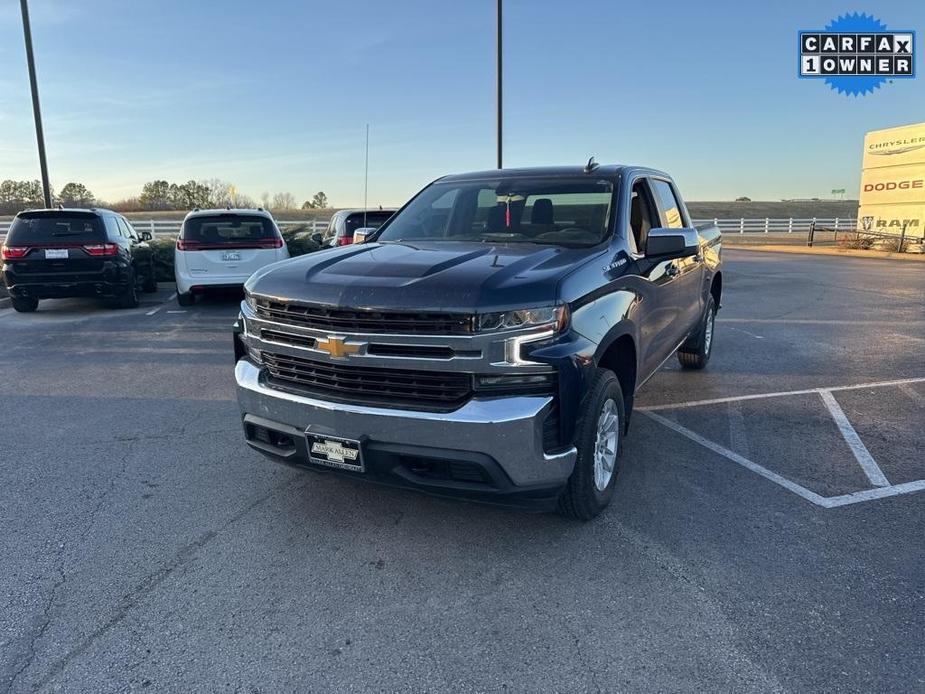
{"points": [[598, 439], [24, 304], [695, 353]]}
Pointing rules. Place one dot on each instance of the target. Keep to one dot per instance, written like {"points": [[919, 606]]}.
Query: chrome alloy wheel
{"points": [[605, 445]]}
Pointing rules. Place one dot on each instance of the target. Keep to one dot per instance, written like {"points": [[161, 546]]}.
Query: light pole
{"points": [[499, 83], [500, 71], [36, 110]]}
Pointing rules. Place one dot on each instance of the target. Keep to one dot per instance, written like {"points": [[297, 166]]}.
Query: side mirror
{"points": [[665, 244], [318, 238], [359, 236], [146, 236]]}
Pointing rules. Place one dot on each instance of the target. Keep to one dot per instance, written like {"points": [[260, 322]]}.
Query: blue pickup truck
{"points": [[487, 341]]}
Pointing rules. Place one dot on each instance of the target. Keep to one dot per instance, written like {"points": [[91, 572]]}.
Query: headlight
{"points": [[552, 317]]}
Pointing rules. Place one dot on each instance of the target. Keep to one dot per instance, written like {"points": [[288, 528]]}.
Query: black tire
{"points": [[150, 285], [582, 498], [129, 296], [24, 304], [695, 353], [185, 299]]}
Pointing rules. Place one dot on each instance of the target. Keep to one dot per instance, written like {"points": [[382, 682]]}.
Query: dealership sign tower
{"points": [[893, 180]]}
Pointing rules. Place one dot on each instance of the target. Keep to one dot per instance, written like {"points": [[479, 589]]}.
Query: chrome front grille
{"points": [[362, 321], [384, 387]]}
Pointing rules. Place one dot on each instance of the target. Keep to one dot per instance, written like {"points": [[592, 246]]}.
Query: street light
{"points": [[36, 110]]}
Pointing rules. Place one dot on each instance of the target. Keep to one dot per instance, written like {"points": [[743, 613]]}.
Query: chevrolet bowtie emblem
{"points": [[337, 347]]}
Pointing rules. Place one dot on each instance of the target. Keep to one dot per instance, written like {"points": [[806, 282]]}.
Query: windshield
{"points": [[227, 229], [55, 227], [564, 211]]}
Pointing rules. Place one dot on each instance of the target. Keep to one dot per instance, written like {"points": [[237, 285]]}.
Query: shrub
{"points": [[889, 245], [163, 257], [856, 242], [299, 240]]}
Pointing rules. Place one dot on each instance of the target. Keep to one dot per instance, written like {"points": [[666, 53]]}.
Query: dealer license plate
{"points": [[333, 451]]}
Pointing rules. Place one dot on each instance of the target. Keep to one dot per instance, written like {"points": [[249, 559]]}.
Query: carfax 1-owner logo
{"points": [[856, 54]]}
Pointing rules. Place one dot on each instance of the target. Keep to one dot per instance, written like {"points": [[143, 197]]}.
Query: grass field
{"points": [[823, 209]]}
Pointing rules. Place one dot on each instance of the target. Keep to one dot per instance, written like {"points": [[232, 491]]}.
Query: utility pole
{"points": [[500, 71], [36, 110], [366, 177]]}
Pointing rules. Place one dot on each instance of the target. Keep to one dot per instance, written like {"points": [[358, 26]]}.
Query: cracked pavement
{"points": [[146, 548]]}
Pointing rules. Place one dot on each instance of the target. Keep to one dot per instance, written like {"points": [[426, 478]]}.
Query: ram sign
{"points": [[893, 180]]}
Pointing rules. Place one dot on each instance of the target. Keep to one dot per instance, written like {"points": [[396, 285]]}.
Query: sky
{"points": [[275, 95]]}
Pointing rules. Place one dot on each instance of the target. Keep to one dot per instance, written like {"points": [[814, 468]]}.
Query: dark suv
{"points": [[59, 253]]}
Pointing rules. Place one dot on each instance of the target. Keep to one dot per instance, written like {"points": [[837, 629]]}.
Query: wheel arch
{"points": [[716, 289], [620, 355]]}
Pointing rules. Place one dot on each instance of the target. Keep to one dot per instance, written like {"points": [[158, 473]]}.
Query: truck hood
{"points": [[444, 276]]}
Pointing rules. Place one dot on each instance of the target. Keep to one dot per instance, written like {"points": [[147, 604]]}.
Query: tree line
{"points": [[16, 196]]}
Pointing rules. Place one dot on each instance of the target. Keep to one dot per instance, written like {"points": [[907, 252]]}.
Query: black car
{"points": [[60, 253]]}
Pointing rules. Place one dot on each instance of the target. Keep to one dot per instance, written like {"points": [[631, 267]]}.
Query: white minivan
{"points": [[220, 249]]}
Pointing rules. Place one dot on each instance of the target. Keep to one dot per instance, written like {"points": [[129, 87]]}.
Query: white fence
{"points": [[171, 227], [791, 225], [162, 227]]}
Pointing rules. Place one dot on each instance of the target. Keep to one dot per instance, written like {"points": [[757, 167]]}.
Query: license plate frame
{"points": [[336, 452], [56, 254]]}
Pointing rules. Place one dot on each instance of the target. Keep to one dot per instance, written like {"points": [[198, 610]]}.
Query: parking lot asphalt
{"points": [[146, 548]]}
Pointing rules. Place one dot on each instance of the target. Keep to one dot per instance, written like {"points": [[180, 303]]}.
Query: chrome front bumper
{"points": [[508, 430]]}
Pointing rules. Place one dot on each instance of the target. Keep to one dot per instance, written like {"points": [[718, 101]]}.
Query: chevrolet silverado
{"points": [[487, 341]]}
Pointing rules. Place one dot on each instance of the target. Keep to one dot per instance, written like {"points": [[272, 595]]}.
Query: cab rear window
{"points": [[45, 228], [227, 229]]}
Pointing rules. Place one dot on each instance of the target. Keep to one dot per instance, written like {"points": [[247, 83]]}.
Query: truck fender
{"points": [[618, 352]]}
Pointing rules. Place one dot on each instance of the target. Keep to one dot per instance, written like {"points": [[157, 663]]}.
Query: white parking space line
{"points": [[861, 454], [871, 494], [158, 308], [757, 337], [797, 489], [780, 394], [820, 321], [916, 396]]}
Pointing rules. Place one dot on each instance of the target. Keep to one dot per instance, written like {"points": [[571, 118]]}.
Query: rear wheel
{"points": [[129, 296], [24, 304], [186, 299], [598, 439], [150, 285], [695, 353]]}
